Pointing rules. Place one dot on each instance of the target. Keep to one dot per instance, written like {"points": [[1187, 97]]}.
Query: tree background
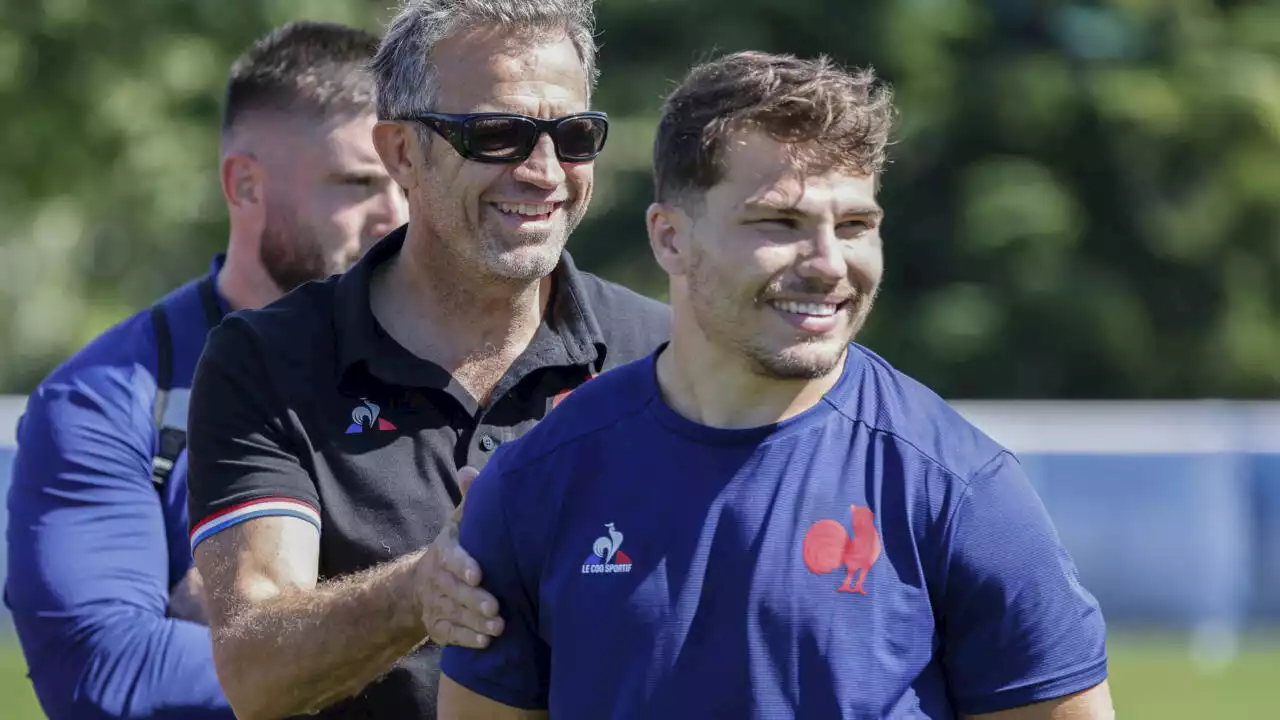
{"points": [[1084, 199]]}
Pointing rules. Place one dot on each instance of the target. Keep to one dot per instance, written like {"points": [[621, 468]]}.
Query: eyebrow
{"points": [[765, 206], [356, 176]]}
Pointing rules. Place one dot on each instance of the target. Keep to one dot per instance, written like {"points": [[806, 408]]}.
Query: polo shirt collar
{"points": [[361, 339]]}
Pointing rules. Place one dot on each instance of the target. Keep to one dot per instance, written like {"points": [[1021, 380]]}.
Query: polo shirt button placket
{"points": [[487, 443]]}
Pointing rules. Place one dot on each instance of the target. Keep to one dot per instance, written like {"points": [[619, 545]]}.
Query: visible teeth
{"points": [[806, 308], [526, 208]]}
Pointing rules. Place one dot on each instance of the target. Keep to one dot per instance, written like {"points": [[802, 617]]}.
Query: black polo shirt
{"points": [[308, 408]]}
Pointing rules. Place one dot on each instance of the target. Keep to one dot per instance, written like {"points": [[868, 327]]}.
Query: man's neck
{"points": [[245, 285], [473, 327], [715, 388]]}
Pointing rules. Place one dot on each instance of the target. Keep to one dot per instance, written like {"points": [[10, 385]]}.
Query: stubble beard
{"points": [[721, 322], [290, 254]]}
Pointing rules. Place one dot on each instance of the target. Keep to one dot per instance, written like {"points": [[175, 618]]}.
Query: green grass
{"points": [[1152, 678], [17, 701], [1156, 677]]}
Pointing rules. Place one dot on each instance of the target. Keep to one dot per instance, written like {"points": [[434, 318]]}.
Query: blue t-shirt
{"points": [[875, 556]]}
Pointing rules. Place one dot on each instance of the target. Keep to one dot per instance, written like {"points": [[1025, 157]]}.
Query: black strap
{"points": [[164, 366], [173, 440], [209, 299], [162, 462]]}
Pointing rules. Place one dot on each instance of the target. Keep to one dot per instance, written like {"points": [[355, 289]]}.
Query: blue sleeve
{"points": [[515, 669], [88, 582], [1017, 627]]}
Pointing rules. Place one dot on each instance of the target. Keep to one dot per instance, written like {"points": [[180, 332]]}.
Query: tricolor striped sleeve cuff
{"points": [[262, 507]]}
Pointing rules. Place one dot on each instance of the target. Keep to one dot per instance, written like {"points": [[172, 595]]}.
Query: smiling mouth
{"points": [[813, 309], [527, 211]]}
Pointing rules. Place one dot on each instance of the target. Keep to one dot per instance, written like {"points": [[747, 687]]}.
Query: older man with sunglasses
{"points": [[328, 430]]}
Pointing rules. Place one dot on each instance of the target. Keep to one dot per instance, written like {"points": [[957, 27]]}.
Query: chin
{"points": [[804, 361], [526, 263]]}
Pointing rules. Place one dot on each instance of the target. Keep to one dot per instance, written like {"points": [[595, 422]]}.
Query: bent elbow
{"points": [[235, 676], [246, 685], [246, 701]]}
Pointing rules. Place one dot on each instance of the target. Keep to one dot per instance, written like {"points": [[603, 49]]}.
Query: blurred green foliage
{"points": [[1084, 200]]}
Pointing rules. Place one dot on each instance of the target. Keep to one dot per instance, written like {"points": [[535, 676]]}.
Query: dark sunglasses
{"points": [[509, 138]]}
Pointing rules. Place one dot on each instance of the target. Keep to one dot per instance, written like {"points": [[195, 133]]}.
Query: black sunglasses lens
{"points": [[498, 137], [580, 138]]}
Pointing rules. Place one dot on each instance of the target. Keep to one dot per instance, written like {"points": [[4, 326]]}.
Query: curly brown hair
{"points": [[833, 118]]}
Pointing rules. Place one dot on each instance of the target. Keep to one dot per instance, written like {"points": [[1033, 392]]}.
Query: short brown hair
{"points": [[841, 118], [307, 67]]}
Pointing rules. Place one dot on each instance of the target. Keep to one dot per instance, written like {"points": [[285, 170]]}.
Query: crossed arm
{"points": [[89, 563]]}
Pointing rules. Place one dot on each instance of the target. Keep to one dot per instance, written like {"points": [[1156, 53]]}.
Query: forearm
{"points": [[304, 650], [148, 667]]}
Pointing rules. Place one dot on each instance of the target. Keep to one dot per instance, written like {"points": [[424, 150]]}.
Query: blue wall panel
{"points": [[1165, 536]]}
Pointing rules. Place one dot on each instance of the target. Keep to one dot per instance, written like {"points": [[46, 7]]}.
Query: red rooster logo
{"points": [[828, 547]]}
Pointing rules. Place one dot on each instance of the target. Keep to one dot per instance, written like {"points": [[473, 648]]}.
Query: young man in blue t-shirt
{"points": [[762, 519]]}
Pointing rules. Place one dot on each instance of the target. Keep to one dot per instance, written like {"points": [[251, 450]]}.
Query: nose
{"points": [[824, 260], [542, 168]]}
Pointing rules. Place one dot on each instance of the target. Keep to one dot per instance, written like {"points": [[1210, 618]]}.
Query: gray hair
{"points": [[404, 75]]}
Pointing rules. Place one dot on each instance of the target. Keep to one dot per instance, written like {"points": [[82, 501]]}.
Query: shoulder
{"points": [[597, 408], [115, 371], [291, 332], [908, 414], [106, 388], [304, 311], [531, 478], [631, 324]]}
